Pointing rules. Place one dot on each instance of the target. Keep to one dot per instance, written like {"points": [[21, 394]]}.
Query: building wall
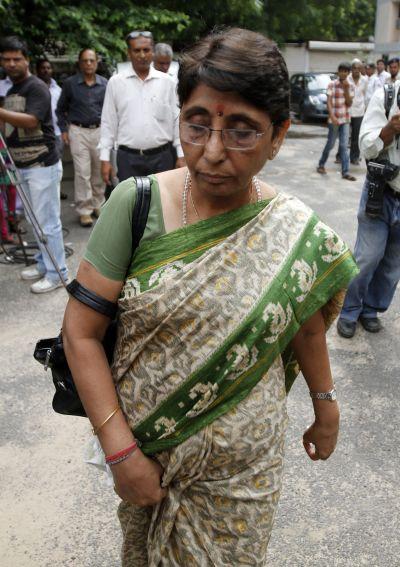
{"points": [[387, 32], [300, 59]]}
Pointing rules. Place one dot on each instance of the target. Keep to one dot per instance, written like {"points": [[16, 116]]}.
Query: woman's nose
{"points": [[214, 149]]}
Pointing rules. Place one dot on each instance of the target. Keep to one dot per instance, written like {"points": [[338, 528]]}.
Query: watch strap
{"points": [[330, 396]]}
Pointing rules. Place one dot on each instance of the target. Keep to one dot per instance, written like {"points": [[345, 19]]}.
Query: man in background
{"points": [[163, 56], [381, 72], [340, 98], [140, 116], [79, 115], [393, 65], [377, 248], [378, 79], [30, 138], [357, 109], [44, 71]]}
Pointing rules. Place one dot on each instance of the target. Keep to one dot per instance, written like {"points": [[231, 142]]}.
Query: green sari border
{"points": [[321, 291]]}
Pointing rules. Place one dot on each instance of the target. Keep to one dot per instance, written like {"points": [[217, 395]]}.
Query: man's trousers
{"points": [[89, 185], [129, 164], [354, 135], [42, 187], [377, 253]]}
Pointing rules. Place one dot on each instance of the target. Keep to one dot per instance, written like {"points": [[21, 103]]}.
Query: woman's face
{"points": [[216, 170]]}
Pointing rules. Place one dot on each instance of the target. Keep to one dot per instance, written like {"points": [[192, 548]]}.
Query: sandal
{"points": [[349, 177]]}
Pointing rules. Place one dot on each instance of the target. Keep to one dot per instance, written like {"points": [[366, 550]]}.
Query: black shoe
{"points": [[371, 324], [346, 329], [63, 195]]}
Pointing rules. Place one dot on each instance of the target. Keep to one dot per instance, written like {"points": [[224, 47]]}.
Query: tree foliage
{"points": [[67, 25], [330, 20]]}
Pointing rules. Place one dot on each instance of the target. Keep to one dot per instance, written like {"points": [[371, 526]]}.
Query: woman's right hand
{"points": [[138, 480]]}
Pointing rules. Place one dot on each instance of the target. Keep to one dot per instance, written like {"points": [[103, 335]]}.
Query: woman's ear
{"points": [[278, 136]]}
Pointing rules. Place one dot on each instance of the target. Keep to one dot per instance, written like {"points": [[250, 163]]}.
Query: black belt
{"points": [[393, 193], [90, 126], [149, 152]]}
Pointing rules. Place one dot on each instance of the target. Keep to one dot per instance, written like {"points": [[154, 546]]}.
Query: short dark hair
{"points": [[394, 60], [344, 66], [14, 43], [240, 61], [82, 51], [40, 62], [380, 61]]}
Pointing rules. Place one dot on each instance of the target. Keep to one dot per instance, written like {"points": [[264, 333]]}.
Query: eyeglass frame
{"points": [[135, 34], [222, 130]]}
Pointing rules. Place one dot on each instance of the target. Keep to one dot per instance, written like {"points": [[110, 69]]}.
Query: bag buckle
{"points": [[47, 359]]}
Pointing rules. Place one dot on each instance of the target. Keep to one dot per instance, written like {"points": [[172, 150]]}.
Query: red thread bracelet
{"points": [[122, 453]]}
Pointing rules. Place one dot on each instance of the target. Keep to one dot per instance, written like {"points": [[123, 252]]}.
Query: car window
{"points": [[318, 81]]}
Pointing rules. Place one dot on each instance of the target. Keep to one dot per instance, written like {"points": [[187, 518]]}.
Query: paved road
{"points": [[56, 511]]}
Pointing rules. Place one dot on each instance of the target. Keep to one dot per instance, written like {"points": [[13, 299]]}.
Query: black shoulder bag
{"points": [[50, 352]]}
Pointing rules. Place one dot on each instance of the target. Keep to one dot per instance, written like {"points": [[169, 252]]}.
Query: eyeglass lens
{"points": [[233, 139]]}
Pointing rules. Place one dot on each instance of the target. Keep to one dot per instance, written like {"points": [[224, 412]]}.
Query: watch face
{"points": [[333, 395]]}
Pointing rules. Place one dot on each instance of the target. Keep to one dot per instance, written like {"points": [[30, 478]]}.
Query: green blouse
{"points": [[109, 248]]}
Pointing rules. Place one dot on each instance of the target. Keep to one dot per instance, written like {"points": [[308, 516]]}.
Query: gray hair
{"points": [[356, 62], [163, 49]]}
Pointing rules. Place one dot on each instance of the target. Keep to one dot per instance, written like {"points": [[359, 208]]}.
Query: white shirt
{"points": [[5, 84], [360, 90], [382, 77], [374, 120], [374, 84], [55, 92], [139, 114]]}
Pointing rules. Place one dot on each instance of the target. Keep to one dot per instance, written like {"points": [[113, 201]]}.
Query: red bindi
{"points": [[220, 110]]}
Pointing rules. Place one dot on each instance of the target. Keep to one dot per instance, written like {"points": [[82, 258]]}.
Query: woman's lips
{"points": [[214, 179]]}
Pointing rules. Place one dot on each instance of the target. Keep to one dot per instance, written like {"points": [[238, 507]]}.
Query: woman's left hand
{"points": [[320, 438]]}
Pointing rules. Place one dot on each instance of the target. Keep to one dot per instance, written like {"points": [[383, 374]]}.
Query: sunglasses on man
{"points": [[136, 34]]}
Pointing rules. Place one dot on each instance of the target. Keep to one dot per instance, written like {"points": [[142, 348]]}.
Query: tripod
{"points": [[8, 167]]}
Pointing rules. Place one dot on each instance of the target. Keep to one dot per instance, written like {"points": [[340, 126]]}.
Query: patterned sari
{"points": [[202, 367]]}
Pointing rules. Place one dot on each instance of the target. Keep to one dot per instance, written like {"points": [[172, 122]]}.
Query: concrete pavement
{"points": [[57, 511]]}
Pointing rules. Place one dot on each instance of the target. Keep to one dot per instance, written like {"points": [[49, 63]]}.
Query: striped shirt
{"points": [[339, 108]]}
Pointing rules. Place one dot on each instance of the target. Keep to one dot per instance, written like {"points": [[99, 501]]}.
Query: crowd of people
{"points": [[129, 123], [364, 102], [231, 289]]}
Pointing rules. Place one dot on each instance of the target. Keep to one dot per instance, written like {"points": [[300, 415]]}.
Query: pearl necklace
{"points": [[187, 190]]}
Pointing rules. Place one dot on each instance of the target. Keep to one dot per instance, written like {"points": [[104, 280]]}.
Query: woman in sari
{"points": [[229, 293]]}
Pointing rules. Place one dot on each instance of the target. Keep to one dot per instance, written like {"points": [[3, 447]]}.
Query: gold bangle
{"points": [[97, 429]]}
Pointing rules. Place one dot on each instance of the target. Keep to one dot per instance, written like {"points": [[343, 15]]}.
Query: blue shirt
{"points": [[79, 102]]}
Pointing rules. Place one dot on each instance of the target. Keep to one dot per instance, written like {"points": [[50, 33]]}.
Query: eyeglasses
{"points": [[232, 139], [136, 34]]}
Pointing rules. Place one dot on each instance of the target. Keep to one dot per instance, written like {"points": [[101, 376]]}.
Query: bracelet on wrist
{"points": [[121, 455], [95, 430]]}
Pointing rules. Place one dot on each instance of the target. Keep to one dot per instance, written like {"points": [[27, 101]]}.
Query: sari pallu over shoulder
{"points": [[202, 325]]}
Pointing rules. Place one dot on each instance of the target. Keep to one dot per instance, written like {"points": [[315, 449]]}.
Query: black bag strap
{"points": [[389, 98], [139, 220], [140, 210]]}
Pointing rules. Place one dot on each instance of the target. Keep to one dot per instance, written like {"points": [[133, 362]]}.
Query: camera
{"points": [[378, 174]]}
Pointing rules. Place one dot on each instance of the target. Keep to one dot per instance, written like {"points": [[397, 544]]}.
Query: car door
{"points": [[295, 93]]}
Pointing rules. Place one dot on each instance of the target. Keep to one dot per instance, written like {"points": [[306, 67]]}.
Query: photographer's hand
{"points": [[391, 130]]}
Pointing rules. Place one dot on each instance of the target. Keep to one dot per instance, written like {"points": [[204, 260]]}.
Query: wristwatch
{"points": [[330, 396]]}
